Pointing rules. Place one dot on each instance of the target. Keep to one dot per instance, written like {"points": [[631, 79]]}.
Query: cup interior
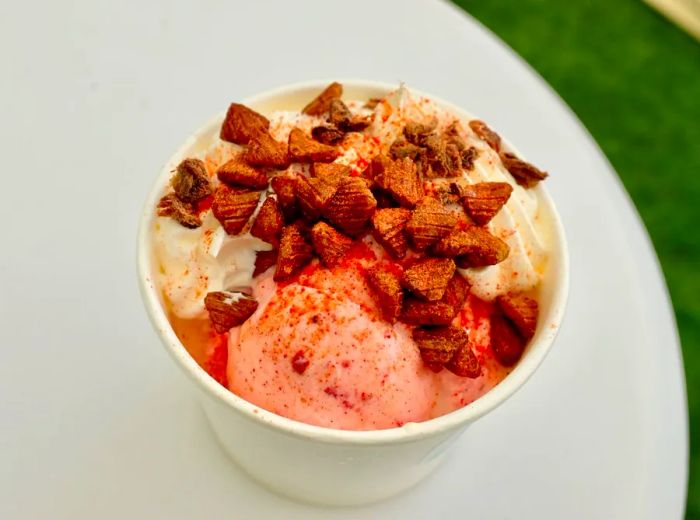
{"points": [[552, 297]]}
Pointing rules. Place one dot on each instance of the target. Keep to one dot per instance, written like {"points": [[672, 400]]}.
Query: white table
{"points": [[97, 422]]}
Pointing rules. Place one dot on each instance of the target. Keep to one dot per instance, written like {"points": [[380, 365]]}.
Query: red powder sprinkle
{"points": [[300, 362], [331, 390], [218, 359], [204, 204]]}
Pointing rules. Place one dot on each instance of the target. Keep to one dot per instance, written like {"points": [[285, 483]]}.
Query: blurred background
{"points": [[633, 77]]}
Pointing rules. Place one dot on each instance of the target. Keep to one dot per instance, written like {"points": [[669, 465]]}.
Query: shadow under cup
{"points": [[323, 465]]}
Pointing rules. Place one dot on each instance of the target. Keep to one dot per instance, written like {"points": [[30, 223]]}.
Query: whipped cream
{"points": [[193, 262]]}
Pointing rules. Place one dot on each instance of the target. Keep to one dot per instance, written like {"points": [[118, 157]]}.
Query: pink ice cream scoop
{"points": [[314, 354]]}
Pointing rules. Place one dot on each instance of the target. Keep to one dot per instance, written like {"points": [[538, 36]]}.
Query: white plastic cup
{"points": [[323, 465]]}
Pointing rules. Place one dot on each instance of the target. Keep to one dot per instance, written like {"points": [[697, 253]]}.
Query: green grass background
{"points": [[633, 78]]}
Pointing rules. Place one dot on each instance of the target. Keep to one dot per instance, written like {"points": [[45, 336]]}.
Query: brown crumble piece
{"points": [[386, 288], [304, 149], [284, 187], [522, 311], [265, 150], [429, 223], [183, 212], [473, 247], [264, 260], [340, 116], [372, 103], [191, 181], [294, 252], [464, 362], [322, 102], [402, 148], [232, 207], [469, 156], [400, 178], [378, 164], [456, 292], [420, 312], [524, 173], [416, 133], [505, 342], [332, 173], [438, 345], [327, 134], [442, 158], [313, 195], [268, 222], [238, 173], [428, 277], [388, 229], [484, 133], [483, 200], [228, 309], [351, 207], [242, 124], [330, 245]]}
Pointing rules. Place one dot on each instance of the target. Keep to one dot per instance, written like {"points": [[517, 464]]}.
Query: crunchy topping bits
{"points": [[429, 223], [388, 229], [268, 223], [473, 247], [428, 278], [484, 133], [402, 148], [294, 253], [456, 292], [464, 363], [238, 173], [523, 172], [340, 116], [351, 207], [378, 165], [327, 134], [386, 288], [300, 362], [313, 196], [191, 182], [468, 156], [322, 102], [264, 260], [522, 311], [242, 124], [183, 212], [372, 103], [331, 245], [505, 342], [264, 150], [442, 157], [232, 207], [285, 188], [420, 312], [400, 179], [228, 309], [483, 200], [304, 149], [438, 345], [417, 132], [332, 173]]}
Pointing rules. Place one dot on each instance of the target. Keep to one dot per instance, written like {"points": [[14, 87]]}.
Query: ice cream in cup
{"points": [[351, 274]]}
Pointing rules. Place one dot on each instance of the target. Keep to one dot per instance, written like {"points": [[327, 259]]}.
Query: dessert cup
{"points": [[323, 465]]}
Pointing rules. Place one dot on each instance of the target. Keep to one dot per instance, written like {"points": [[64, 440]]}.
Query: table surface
{"points": [[639, 98], [95, 421]]}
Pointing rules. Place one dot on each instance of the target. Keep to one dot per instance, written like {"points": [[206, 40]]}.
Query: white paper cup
{"points": [[323, 465]]}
